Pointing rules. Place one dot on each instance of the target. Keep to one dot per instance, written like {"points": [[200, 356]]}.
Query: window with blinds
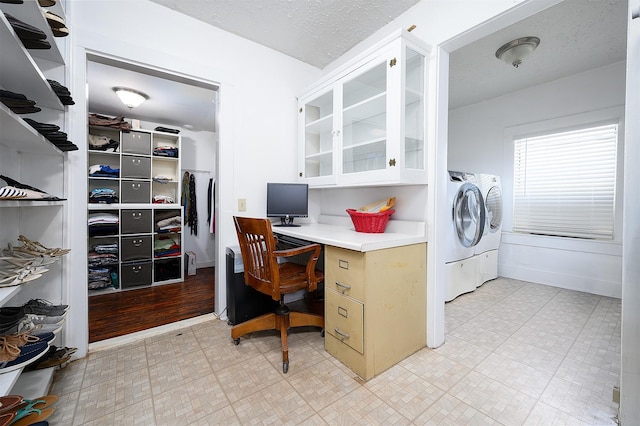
{"points": [[564, 183]]}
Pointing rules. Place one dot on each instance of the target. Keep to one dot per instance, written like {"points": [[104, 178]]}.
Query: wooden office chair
{"points": [[263, 272]]}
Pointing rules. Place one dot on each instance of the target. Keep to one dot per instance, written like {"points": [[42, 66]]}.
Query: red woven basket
{"points": [[373, 223]]}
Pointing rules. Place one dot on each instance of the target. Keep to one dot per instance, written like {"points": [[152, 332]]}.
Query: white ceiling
{"points": [[576, 36]]}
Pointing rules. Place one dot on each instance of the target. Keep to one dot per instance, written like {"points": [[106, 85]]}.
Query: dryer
{"points": [[487, 248], [467, 215]]}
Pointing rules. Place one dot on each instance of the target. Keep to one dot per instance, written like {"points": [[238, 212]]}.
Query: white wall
{"points": [[257, 122], [480, 141]]}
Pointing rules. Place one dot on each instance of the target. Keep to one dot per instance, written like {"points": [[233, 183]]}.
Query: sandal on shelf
{"points": [[13, 278], [54, 358], [5, 419], [21, 255], [11, 193], [34, 410], [8, 402], [37, 247]]}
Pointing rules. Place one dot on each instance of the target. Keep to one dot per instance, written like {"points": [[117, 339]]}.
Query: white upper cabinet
{"points": [[365, 123]]}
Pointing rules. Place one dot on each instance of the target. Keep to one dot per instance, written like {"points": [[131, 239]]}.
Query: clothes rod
{"points": [[208, 172]]}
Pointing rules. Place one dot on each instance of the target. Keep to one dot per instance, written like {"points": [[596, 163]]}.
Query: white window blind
{"points": [[564, 183]]}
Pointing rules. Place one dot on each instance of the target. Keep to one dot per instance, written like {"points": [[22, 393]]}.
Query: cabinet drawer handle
{"points": [[345, 287], [342, 335], [136, 215], [136, 162], [137, 243]]}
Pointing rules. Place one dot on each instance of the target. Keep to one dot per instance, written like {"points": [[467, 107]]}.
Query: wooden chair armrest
{"points": [[298, 250]]}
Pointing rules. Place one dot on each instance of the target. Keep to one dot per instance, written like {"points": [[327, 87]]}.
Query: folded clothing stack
{"points": [[18, 103], [30, 36], [165, 151], [103, 196], [168, 221], [100, 278], [103, 224], [166, 246], [103, 170], [62, 92], [102, 143], [112, 122]]}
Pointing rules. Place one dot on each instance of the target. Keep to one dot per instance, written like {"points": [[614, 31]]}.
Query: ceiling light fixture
{"points": [[131, 98], [516, 50]]}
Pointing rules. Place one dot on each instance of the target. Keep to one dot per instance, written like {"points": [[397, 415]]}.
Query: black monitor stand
{"points": [[286, 221]]}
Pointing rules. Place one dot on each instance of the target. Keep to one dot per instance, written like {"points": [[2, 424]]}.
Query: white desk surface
{"points": [[338, 231]]}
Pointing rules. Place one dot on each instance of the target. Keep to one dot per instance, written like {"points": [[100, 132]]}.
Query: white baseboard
{"points": [[140, 335], [569, 282]]}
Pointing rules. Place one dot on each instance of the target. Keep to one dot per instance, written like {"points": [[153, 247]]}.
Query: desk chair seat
{"points": [[263, 272]]}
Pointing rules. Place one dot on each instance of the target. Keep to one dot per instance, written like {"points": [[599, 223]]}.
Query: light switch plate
{"points": [[242, 204]]}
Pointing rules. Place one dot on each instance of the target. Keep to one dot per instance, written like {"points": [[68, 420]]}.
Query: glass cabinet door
{"points": [[318, 136], [414, 110], [364, 120]]}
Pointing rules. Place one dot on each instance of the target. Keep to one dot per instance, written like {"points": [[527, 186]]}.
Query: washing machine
{"points": [[467, 219], [486, 250]]}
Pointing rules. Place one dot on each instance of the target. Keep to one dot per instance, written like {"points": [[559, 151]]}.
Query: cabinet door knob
{"points": [[393, 62], [392, 162]]}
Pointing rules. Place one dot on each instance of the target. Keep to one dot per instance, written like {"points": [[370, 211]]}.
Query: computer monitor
{"points": [[287, 201]]}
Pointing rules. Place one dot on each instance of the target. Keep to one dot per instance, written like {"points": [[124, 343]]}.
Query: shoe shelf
{"points": [[23, 136], [25, 153], [31, 13], [20, 73]]}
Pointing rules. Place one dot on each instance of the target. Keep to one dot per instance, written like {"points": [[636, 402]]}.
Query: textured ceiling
{"points": [[576, 36], [314, 31]]}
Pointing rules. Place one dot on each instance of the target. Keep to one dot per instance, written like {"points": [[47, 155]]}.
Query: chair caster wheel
{"points": [[236, 341], [322, 333], [285, 367]]}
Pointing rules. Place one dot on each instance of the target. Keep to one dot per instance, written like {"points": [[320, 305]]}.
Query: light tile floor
{"points": [[516, 353]]}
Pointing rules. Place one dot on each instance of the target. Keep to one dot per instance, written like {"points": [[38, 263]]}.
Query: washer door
{"points": [[494, 208], [469, 214]]}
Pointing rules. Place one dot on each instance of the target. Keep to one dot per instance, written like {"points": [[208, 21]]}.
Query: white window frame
{"points": [[593, 118]]}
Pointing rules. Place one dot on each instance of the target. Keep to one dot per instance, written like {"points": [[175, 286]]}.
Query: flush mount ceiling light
{"points": [[131, 98], [516, 50]]}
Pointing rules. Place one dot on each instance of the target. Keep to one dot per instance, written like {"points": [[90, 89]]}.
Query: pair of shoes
{"points": [[53, 358], [61, 91], [17, 102], [37, 247], [42, 128], [32, 193], [47, 3], [10, 361], [33, 411], [25, 338], [57, 24], [44, 307], [31, 37], [16, 277]]}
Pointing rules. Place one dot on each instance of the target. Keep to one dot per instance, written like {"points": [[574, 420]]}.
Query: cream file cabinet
{"points": [[375, 306]]}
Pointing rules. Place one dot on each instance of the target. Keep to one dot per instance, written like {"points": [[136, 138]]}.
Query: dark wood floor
{"points": [[117, 314]]}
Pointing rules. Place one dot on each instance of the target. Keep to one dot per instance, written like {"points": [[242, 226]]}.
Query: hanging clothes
{"points": [[184, 201], [192, 214], [211, 219]]}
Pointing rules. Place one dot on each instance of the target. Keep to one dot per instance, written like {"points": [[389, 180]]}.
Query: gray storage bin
{"points": [[135, 192], [136, 222], [136, 143], [135, 274], [135, 167], [136, 248]]}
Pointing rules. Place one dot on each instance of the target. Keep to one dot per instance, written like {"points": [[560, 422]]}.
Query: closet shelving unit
{"points": [[28, 157], [136, 186]]}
